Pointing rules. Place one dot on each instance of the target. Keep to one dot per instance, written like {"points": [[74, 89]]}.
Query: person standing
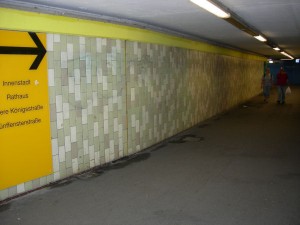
{"points": [[282, 81], [266, 84]]}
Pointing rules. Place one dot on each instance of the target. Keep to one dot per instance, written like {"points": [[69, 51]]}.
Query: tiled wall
{"points": [[88, 100], [171, 89], [111, 98]]}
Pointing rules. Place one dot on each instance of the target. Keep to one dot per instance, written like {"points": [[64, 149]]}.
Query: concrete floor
{"points": [[239, 168]]}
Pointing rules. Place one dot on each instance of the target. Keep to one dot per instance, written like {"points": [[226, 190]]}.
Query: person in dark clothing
{"points": [[266, 84], [282, 81]]}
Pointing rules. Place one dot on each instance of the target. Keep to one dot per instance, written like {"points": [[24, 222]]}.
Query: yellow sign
{"points": [[25, 146]]}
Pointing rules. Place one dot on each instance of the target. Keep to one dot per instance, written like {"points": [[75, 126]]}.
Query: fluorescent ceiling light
{"points": [[284, 53], [260, 38], [276, 49], [209, 6]]}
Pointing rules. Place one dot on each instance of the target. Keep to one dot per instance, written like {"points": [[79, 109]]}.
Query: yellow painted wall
{"points": [[29, 21]]}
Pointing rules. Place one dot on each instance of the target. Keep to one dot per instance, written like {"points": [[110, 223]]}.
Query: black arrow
{"points": [[40, 50]]}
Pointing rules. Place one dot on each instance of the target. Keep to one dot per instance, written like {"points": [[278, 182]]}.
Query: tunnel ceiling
{"points": [[277, 20]]}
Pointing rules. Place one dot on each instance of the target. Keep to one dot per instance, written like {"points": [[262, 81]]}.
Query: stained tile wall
{"points": [[111, 98], [87, 97], [171, 89]]}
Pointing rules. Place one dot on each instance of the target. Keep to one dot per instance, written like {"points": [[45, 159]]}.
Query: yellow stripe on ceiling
{"points": [[12, 19]]}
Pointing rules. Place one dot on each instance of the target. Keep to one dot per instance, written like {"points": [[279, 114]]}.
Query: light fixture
{"points": [[212, 8], [284, 53], [260, 38], [271, 61], [276, 49]]}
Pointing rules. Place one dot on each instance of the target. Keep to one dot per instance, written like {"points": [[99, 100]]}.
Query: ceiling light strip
{"points": [[212, 8], [260, 38], [235, 21], [284, 53]]}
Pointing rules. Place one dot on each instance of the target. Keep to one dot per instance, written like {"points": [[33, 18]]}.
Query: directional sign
{"points": [[39, 50], [25, 150]]}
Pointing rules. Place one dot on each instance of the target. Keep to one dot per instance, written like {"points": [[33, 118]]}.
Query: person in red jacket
{"points": [[282, 82]]}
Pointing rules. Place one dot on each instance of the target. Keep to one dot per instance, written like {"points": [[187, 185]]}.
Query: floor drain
{"points": [[203, 125], [187, 138], [193, 139]]}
